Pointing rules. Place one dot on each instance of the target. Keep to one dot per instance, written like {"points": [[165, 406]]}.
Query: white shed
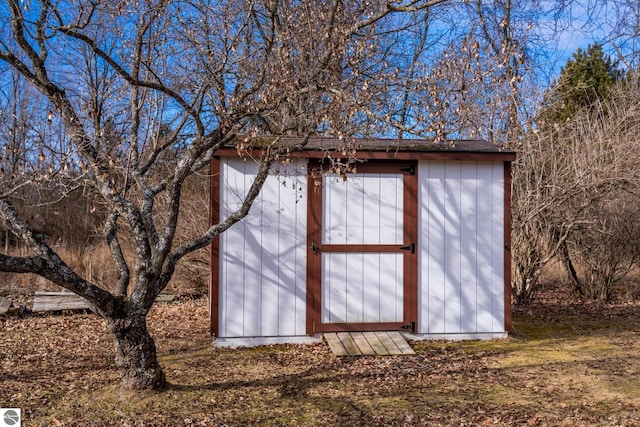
{"points": [[417, 240]]}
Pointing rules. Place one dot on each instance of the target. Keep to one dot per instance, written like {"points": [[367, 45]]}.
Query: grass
{"points": [[564, 365]]}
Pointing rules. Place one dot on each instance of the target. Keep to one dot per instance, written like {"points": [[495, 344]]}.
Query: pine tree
{"points": [[587, 77]]}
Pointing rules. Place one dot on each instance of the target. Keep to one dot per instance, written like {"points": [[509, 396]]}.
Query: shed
{"points": [[417, 240]]}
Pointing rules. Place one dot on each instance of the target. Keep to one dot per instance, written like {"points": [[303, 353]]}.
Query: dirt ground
{"points": [[565, 364]]}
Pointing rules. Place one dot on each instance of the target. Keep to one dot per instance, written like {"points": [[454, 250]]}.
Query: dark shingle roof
{"points": [[377, 148], [384, 144]]}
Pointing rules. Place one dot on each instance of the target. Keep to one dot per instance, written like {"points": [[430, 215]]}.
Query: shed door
{"points": [[362, 249]]}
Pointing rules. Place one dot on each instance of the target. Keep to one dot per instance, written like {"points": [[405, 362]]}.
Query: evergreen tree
{"points": [[587, 77]]}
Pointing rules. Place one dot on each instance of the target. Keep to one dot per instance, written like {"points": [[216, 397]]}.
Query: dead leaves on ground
{"points": [[568, 366]]}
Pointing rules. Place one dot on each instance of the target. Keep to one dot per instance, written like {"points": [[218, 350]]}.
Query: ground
{"points": [[565, 364]]}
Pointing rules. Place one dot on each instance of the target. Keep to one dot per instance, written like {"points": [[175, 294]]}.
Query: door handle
{"points": [[411, 247], [313, 248]]}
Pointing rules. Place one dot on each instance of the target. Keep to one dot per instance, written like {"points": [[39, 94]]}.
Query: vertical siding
{"points": [[469, 247], [334, 297], [263, 257], [485, 294], [452, 247], [461, 247], [364, 209], [497, 256], [431, 244], [362, 287]]}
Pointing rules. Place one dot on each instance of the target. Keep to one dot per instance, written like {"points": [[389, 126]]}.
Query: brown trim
{"points": [[389, 155], [314, 258], [358, 327], [381, 166], [373, 166], [507, 247], [316, 248], [410, 259], [364, 248], [214, 264]]}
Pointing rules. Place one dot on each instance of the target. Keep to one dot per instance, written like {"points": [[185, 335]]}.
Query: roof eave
{"points": [[391, 154]]}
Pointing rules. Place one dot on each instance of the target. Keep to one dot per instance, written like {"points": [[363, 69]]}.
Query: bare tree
{"points": [[606, 250], [574, 188], [470, 72], [146, 92], [615, 24]]}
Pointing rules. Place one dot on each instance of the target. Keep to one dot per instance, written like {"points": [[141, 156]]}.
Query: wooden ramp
{"points": [[367, 343]]}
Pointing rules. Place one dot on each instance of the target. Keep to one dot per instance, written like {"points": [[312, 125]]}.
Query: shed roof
{"points": [[383, 148]]}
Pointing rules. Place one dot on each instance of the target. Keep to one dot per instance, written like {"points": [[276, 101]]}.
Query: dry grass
{"points": [[566, 365], [80, 243], [95, 264], [92, 262]]}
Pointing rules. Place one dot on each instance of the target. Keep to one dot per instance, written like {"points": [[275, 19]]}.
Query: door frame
{"points": [[316, 171]]}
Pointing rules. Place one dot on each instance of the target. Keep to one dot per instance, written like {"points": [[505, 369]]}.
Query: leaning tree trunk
{"points": [[577, 288], [136, 356]]}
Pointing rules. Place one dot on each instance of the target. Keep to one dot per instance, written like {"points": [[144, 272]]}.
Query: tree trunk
{"points": [[577, 287], [136, 354]]}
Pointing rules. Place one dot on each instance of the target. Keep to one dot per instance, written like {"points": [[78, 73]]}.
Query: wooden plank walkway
{"points": [[367, 343]]}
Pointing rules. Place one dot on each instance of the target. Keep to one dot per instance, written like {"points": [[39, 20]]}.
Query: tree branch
{"points": [[393, 6], [47, 263], [134, 81], [122, 269]]}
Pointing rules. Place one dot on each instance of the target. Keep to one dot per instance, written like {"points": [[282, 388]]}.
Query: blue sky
{"points": [[586, 22]]}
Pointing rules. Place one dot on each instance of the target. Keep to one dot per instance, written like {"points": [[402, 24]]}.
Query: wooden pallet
{"points": [[55, 301], [368, 343]]}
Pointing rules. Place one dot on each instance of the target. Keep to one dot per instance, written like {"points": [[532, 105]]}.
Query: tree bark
{"points": [[576, 286], [136, 355]]}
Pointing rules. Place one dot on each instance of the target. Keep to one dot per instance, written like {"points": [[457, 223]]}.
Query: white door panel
{"points": [[362, 287], [364, 209]]}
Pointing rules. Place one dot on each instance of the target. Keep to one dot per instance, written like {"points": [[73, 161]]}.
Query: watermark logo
{"points": [[10, 417]]}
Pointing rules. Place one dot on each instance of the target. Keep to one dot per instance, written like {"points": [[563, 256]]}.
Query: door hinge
{"points": [[411, 247], [411, 170], [411, 327]]}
